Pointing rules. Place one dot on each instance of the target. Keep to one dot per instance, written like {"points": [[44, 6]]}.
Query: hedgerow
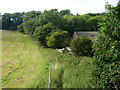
{"points": [[107, 50]]}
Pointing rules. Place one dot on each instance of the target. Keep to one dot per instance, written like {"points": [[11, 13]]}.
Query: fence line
{"points": [[49, 76]]}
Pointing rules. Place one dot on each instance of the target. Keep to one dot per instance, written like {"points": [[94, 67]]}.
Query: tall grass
{"points": [[69, 71], [25, 65]]}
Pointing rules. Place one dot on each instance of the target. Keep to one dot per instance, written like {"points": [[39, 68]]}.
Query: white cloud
{"points": [[76, 6]]}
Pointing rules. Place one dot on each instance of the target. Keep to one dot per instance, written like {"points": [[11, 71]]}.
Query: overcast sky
{"points": [[76, 6]]}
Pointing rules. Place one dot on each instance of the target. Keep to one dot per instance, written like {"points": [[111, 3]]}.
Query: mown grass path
{"points": [[21, 60]]}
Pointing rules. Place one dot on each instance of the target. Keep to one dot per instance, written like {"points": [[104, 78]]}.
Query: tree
{"points": [[6, 22], [107, 50], [31, 14], [11, 21], [96, 14], [41, 33], [30, 26], [93, 22], [81, 46], [65, 12], [16, 19], [30, 22], [53, 17], [58, 39], [76, 23], [20, 28]]}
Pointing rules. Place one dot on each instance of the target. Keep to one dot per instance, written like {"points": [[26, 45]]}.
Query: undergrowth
{"points": [[26, 65], [66, 71]]}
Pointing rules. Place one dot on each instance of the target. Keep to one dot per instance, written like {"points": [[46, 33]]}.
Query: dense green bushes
{"points": [[30, 23], [52, 16], [81, 46], [64, 19], [30, 26], [46, 28], [58, 39], [41, 33], [20, 28], [11, 21], [107, 50]]}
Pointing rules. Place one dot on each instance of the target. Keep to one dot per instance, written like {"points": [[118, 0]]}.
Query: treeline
{"points": [[47, 27], [69, 21], [11, 21]]}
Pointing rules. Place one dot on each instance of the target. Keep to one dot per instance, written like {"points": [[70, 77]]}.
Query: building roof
{"points": [[86, 33]]}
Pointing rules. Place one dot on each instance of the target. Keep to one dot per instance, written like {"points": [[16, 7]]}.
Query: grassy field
{"points": [[21, 60], [26, 65]]}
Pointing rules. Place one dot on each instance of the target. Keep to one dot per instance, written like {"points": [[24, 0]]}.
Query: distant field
{"points": [[25, 65]]}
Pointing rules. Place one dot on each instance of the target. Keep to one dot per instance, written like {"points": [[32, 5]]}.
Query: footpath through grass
{"points": [[25, 65]]}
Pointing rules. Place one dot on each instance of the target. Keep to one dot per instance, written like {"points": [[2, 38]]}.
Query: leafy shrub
{"points": [[29, 26], [107, 50], [42, 32], [58, 39], [81, 46], [20, 28]]}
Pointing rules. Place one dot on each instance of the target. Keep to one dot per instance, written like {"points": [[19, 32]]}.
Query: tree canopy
{"points": [[39, 24], [63, 19], [11, 21]]}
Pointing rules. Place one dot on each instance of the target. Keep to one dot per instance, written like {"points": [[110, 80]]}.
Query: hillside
{"points": [[25, 65], [21, 60]]}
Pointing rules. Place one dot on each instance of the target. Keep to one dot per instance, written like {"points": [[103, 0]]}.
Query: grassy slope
{"points": [[25, 65], [21, 60]]}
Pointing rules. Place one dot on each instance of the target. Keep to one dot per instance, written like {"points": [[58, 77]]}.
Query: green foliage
{"points": [[58, 39], [20, 28], [31, 14], [65, 12], [107, 50], [30, 22], [11, 21], [82, 23], [41, 33], [76, 23], [81, 46], [29, 26], [67, 71], [64, 20], [96, 14], [93, 22], [31, 65], [6, 22], [53, 17]]}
